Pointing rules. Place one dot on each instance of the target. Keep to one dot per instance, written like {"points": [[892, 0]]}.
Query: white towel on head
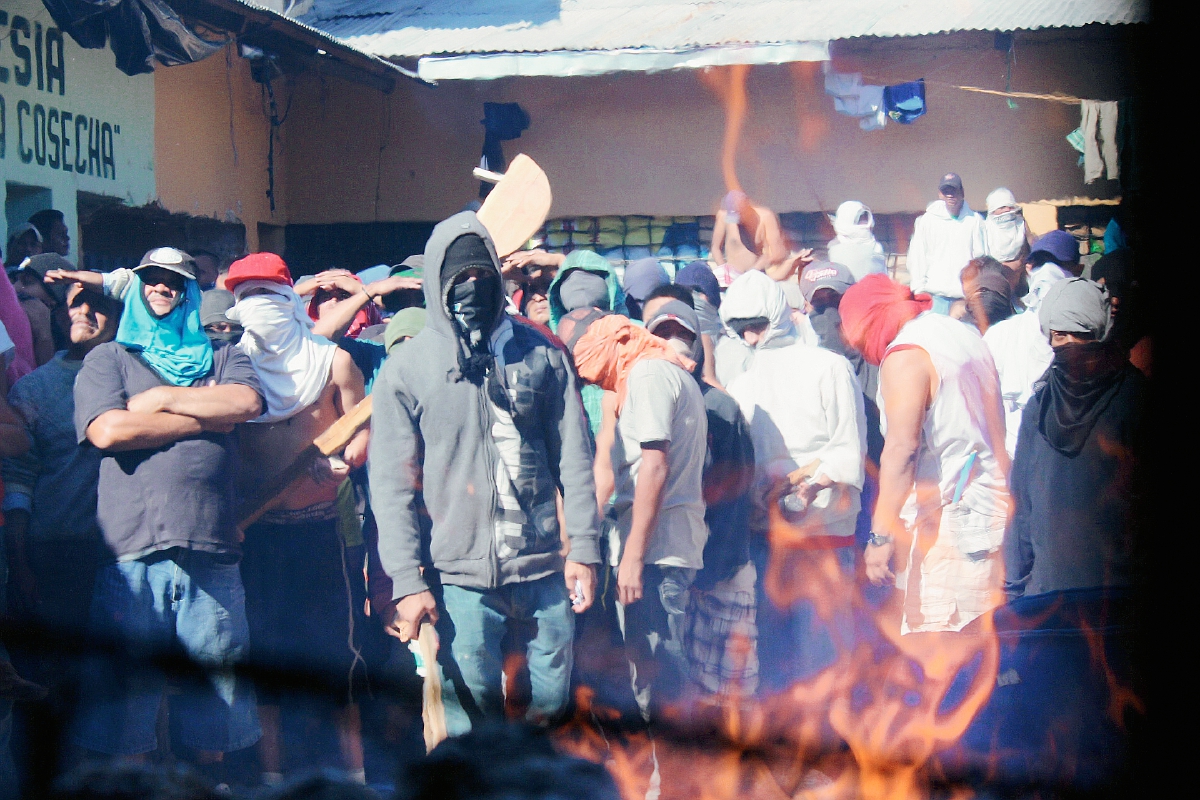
{"points": [[1003, 230], [293, 364]]}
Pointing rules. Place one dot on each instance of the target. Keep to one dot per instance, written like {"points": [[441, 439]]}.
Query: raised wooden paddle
{"points": [[517, 206]]}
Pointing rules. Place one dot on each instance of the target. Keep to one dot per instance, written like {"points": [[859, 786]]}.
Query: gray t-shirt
{"points": [[663, 403], [180, 495]]}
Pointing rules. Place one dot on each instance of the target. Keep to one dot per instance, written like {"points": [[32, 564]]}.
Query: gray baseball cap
{"points": [[825, 275]]}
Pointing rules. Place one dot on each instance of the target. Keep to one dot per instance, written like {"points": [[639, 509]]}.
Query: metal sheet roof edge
{"points": [[334, 42], [576, 63]]}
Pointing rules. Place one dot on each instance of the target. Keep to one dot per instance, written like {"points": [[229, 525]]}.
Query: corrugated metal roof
{"points": [[413, 28]]}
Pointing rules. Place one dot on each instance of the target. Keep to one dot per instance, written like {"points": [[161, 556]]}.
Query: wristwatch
{"points": [[879, 539]]}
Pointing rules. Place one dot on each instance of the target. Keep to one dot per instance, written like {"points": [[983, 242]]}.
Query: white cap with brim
{"points": [[169, 258]]}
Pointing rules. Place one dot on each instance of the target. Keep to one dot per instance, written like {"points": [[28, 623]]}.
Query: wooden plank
{"points": [[433, 710], [517, 206]]}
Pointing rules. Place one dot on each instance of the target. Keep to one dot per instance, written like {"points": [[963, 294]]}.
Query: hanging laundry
{"points": [[1099, 128], [1127, 144], [1075, 139], [873, 122], [905, 102], [852, 98], [842, 83]]}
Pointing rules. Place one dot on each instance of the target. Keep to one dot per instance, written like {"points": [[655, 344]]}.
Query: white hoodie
{"points": [[855, 247], [941, 246], [803, 404], [743, 300], [1021, 351]]}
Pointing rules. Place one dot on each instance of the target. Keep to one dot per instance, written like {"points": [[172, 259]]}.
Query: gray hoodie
{"points": [[433, 431]]}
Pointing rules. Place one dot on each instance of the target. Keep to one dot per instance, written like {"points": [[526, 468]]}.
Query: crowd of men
{"points": [[553, 444]]}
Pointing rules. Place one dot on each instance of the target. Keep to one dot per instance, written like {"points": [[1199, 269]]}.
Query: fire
{"points": [[812, 125], [884, 697], [729, 84]]}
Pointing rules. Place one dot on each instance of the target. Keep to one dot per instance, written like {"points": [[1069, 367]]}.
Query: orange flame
{"points": [[812, 125], [729, 84]]}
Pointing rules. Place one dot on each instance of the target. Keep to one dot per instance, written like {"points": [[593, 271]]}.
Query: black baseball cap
{"points": [[952, 180], [411, 267]]}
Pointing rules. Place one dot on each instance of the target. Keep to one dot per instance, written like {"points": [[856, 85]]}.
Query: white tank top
{"points": [[955, 425]]}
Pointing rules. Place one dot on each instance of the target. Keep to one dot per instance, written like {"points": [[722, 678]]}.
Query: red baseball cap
{"points": [[258, 267]]}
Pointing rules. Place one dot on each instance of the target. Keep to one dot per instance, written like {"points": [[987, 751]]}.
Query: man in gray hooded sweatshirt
{"points": [[482, 413]]}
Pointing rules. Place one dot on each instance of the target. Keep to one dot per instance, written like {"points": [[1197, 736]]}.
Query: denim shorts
{"points": [[177, 600]]}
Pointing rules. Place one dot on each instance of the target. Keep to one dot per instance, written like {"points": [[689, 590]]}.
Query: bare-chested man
{"points": [[748, 236], [303, 574]]}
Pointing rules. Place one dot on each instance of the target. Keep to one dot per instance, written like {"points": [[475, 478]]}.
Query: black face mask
{"points": [[227, 337], [475, 304], [1081, 382], [404, 298]]}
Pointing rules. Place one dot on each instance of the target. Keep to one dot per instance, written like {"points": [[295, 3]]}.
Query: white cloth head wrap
{"points": [[1003, 230], [853, 222], [293, 364], [1040, 281]]}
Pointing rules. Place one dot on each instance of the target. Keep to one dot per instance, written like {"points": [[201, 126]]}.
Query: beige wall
{"points": [[210, 141], [651, 144], [634, 143]]}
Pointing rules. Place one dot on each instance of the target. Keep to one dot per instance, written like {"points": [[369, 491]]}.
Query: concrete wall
{"points": [[210, 141], [652, 144]]}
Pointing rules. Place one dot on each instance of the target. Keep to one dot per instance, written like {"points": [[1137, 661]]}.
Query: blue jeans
{"points": [[653, 631], [177, 599], [795, 643], [471, 626]]}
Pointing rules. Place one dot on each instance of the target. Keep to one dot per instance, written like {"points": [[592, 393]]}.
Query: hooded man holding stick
{"points": [[482, 412]]}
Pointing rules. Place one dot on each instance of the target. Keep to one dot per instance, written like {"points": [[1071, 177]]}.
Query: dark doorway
{"points": [[114, 235]]}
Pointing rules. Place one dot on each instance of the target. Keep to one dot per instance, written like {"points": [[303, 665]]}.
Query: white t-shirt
{"points": [[1022, 355], [663, 403]]}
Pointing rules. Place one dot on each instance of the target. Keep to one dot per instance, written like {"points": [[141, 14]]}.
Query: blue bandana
{"points": [[175, 346]]}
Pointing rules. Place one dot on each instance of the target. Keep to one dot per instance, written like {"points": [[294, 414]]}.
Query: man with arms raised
{"points": [[297, 565]]}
